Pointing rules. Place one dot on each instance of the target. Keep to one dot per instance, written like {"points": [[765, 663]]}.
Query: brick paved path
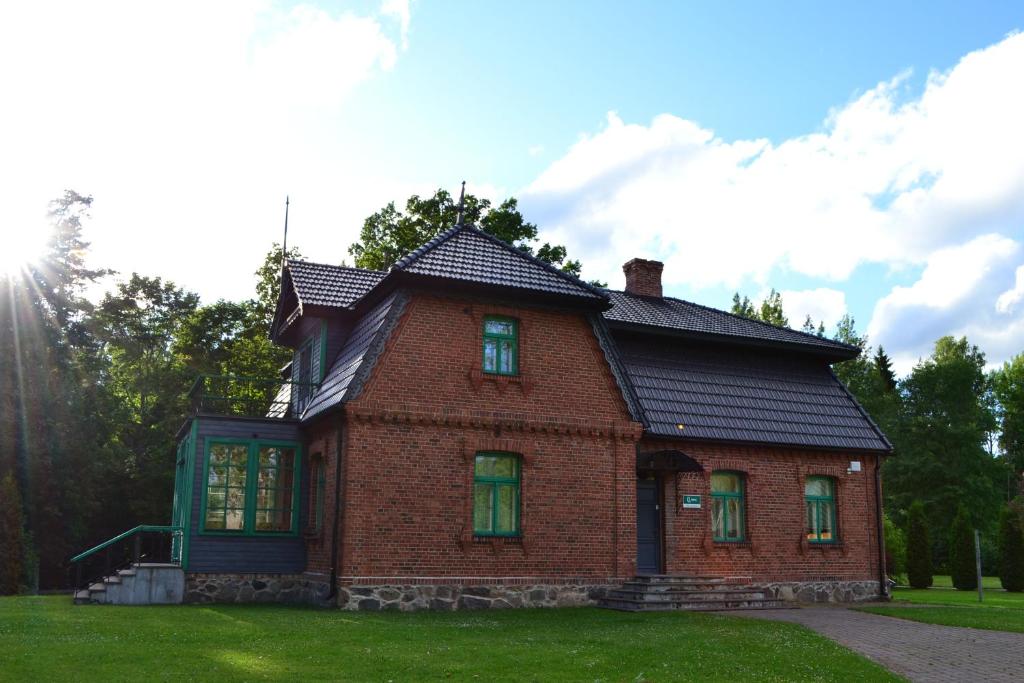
{"points": [[921, 652]]}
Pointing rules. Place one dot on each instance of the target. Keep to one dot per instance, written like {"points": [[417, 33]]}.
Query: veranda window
{"points": [[820, 503], [251, 488], [496, 495], [727, 506]]}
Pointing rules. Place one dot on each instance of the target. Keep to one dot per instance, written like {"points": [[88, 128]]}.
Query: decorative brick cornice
{"points": [[521, 424]]}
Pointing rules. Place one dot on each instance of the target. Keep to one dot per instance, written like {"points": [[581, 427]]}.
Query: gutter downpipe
{"points": [[338, 450], [883, 586]]}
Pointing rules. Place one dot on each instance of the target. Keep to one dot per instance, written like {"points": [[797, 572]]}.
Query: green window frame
{"points": [[250, 488], [496, 487], [501, 346], [820, 509], [728, 507]]}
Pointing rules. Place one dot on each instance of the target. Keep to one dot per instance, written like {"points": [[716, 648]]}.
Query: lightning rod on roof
{"points": [[462, 199], [284, 242]]}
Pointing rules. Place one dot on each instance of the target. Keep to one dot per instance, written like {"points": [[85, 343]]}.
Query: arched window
{"points": [[727, 507], [820, 501]]}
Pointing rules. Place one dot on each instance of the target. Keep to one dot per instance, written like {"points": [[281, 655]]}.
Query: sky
{"points": [[862, 158]]}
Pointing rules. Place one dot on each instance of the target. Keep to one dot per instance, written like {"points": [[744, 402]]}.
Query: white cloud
{"points": [[889, 179], [399, 11], [1009, 299], [535, 150], [822, 304], [955, 295], [189, 122]]}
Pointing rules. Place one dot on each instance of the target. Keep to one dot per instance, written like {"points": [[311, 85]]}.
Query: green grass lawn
{"points": [[47, 638], [942, 604]]}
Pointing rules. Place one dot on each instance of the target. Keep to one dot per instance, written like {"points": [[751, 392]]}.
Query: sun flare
{"points": [[21, 248]]}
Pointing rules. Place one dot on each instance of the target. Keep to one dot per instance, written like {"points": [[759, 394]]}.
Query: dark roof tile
{"points": [[320, 284], [723, 394], [683, 316]]}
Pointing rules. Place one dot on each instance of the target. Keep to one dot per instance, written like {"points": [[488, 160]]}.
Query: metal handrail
{"points": [[249, 396], [122, 536]]}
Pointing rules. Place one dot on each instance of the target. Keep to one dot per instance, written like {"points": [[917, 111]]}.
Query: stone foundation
{"points": [[448, 597], [283, 588], [819, 591]]}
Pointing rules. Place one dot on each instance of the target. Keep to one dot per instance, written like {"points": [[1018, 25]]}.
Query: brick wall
{"points": [[425, 411], [775, 547]]}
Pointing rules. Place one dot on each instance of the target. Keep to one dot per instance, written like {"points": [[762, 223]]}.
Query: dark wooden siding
{"points": [[245, 554]]}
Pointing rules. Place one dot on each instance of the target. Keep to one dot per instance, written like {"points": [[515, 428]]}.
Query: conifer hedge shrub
{"points": [[12, 537], [962, 567], [1011, 550]]}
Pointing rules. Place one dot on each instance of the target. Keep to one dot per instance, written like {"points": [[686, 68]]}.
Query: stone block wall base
{"points": [[445, 597], [283, 588], [820, 591]]}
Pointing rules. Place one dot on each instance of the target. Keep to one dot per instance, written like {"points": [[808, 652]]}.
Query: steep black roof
{"points": [[471, 255], [357, 357], [726, 394], [677, 315], [320, 284]]}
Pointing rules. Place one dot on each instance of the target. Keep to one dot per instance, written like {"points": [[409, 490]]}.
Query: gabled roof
{"points": [[468, 254], [355, 360], [679, 316], [693, 391], [320, 284]]}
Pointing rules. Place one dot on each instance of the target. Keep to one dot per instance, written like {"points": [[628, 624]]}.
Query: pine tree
{"points": [[12, 538], [919, 548], [961, 552], [884, 365], [1011, 550]]}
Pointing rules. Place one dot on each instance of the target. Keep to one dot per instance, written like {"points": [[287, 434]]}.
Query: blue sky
{"points": [[861, 157]]}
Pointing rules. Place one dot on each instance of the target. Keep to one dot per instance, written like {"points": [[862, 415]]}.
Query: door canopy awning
{"points": [[666, 461]]}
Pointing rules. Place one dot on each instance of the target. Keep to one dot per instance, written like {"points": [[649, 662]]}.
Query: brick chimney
{"points": [[643, 277]]}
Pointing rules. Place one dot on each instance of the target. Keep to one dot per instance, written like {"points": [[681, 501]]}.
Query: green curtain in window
{"points": [[727, 508], [496, 495]]}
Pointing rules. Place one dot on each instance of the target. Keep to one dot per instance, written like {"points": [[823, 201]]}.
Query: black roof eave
{"points": [[649, 434], [830, 354]]}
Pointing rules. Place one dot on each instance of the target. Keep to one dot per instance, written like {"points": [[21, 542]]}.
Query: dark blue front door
{"points": [[648, 527]]}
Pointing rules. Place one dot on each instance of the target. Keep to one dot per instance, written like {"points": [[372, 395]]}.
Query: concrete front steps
{"points": [[692, 593], [141, 584]]}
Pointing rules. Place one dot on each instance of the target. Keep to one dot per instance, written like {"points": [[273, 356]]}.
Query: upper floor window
{"points": [[820, 501], [727, 506], [501, 346], [302, 373], [496, 494]]}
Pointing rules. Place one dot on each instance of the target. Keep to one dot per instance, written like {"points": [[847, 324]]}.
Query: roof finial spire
{"points": [[284, 242], [462, 204]]}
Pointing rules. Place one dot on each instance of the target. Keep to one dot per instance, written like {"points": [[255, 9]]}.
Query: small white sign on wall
{"points": [[691, 502]]}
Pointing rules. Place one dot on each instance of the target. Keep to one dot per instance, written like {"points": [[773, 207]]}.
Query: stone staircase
{"points": [[657, 593], [141, 584]]}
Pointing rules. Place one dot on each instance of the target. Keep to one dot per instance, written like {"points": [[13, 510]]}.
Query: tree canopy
{"points": [[390, 234]]}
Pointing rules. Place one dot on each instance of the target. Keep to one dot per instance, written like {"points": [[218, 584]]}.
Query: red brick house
{"points": [[474, 428]]}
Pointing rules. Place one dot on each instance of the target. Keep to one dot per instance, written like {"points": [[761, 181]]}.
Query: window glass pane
{"points": [[505, 358], [718, 517], [483, 497], [214, 519], [502, 327], [218, 475], [490, 355], [506, 509], [219, 454], [235, 520], [724, 482], [826, 513], [812, 520], [817, 486], [215, 499], [734, 519]]}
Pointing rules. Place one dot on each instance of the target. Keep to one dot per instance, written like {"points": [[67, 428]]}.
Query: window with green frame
{"points": [[496, 494], [727, 507], [501, 346], [251, 487], [820, 503], [317, 487]]}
